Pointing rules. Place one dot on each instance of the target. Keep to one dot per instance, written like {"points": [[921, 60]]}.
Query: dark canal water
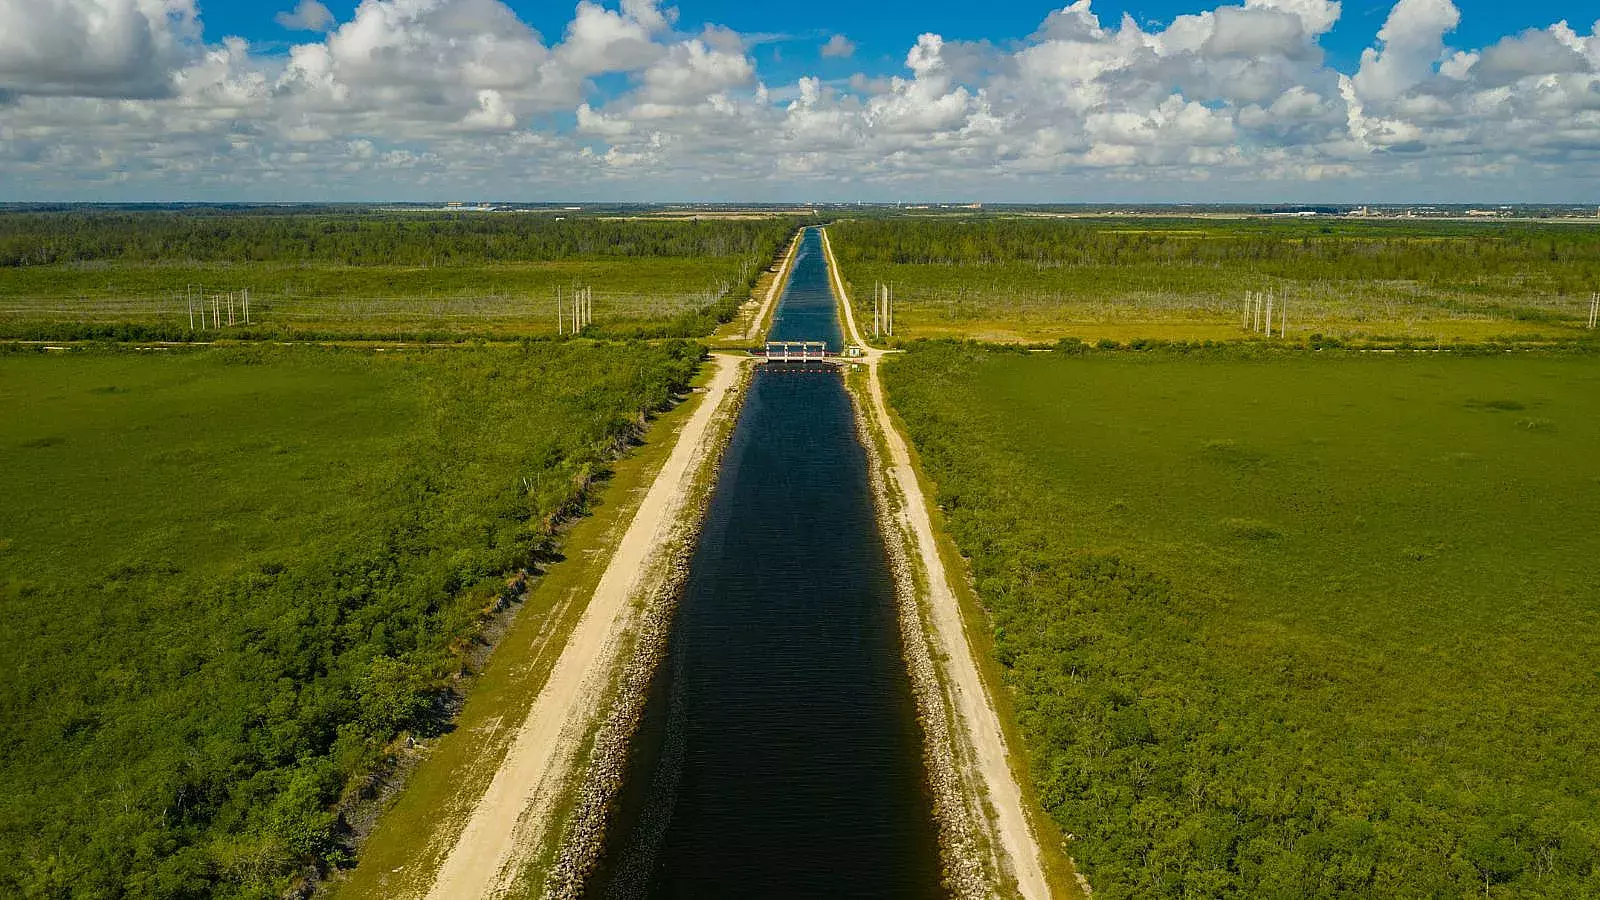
{"points": [[807, 311], [780, 754]]}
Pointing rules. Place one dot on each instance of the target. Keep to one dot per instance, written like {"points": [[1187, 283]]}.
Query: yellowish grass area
{"points": [[1009, 332]]}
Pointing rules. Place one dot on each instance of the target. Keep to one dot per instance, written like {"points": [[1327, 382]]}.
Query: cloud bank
{"points": [[106, 99]]}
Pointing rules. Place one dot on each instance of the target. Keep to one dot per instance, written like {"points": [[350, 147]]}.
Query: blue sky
{"points": [[883, 29], [422, 99]]}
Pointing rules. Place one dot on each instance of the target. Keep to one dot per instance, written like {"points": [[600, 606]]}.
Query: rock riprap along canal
{"points": [[780, 753]]}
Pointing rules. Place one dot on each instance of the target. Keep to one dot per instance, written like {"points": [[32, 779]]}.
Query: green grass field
{"points": [[321, 274], [1017, 280], [503, 300], [1290, 624], [230, 577]]}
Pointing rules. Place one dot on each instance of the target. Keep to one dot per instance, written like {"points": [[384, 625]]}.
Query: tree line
{"points": [[1431, 252], [411, 239]]}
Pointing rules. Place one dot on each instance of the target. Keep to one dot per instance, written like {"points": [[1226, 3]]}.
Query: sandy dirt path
{"points": [[971, 701], [509, 818], [773, 290]]}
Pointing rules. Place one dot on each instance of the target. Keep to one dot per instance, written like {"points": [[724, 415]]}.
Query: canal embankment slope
{"points": [[995, 796], [488, 801], [763, 316]]}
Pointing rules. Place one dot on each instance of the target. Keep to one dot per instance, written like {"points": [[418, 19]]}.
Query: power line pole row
{"points": [[882, 310], [1258, 313], [237, 304], [582, 310]]}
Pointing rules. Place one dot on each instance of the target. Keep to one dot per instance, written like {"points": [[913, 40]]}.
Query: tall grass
{"points": [[229, 578], [1288, 625]]}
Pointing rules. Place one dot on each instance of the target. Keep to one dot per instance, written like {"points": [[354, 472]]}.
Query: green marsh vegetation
{"points": [[1288, 624], [416, 275], [232, 578], [1014, 279]]}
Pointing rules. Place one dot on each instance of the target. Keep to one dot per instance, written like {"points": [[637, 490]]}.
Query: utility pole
{"points": [[188, 296], [561, 326]]}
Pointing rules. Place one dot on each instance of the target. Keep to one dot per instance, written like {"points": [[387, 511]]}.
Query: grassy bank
{"points": [[1294, 625], [230, 578], [420, 824]]}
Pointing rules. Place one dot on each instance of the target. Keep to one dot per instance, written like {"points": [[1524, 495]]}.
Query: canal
{"points": [[779, 754]]}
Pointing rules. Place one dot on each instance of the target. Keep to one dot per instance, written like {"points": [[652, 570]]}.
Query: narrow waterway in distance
{"points": [[779, 755]]}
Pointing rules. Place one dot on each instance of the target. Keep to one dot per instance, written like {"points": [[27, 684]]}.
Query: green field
{"points": [[1288, 624], [229, 578], [416, 275], [1019, 280]]}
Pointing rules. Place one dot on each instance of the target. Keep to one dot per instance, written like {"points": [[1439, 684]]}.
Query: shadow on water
{"points": [[780, 755]]}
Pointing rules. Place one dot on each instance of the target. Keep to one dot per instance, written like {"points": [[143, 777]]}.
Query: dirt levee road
{"points": [[976, 714], [510, 818]]}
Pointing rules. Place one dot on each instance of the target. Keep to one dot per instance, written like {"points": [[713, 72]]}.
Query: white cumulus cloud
{"points": [[463, 96], [308, 16], [839, 47], [94, 48]]}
